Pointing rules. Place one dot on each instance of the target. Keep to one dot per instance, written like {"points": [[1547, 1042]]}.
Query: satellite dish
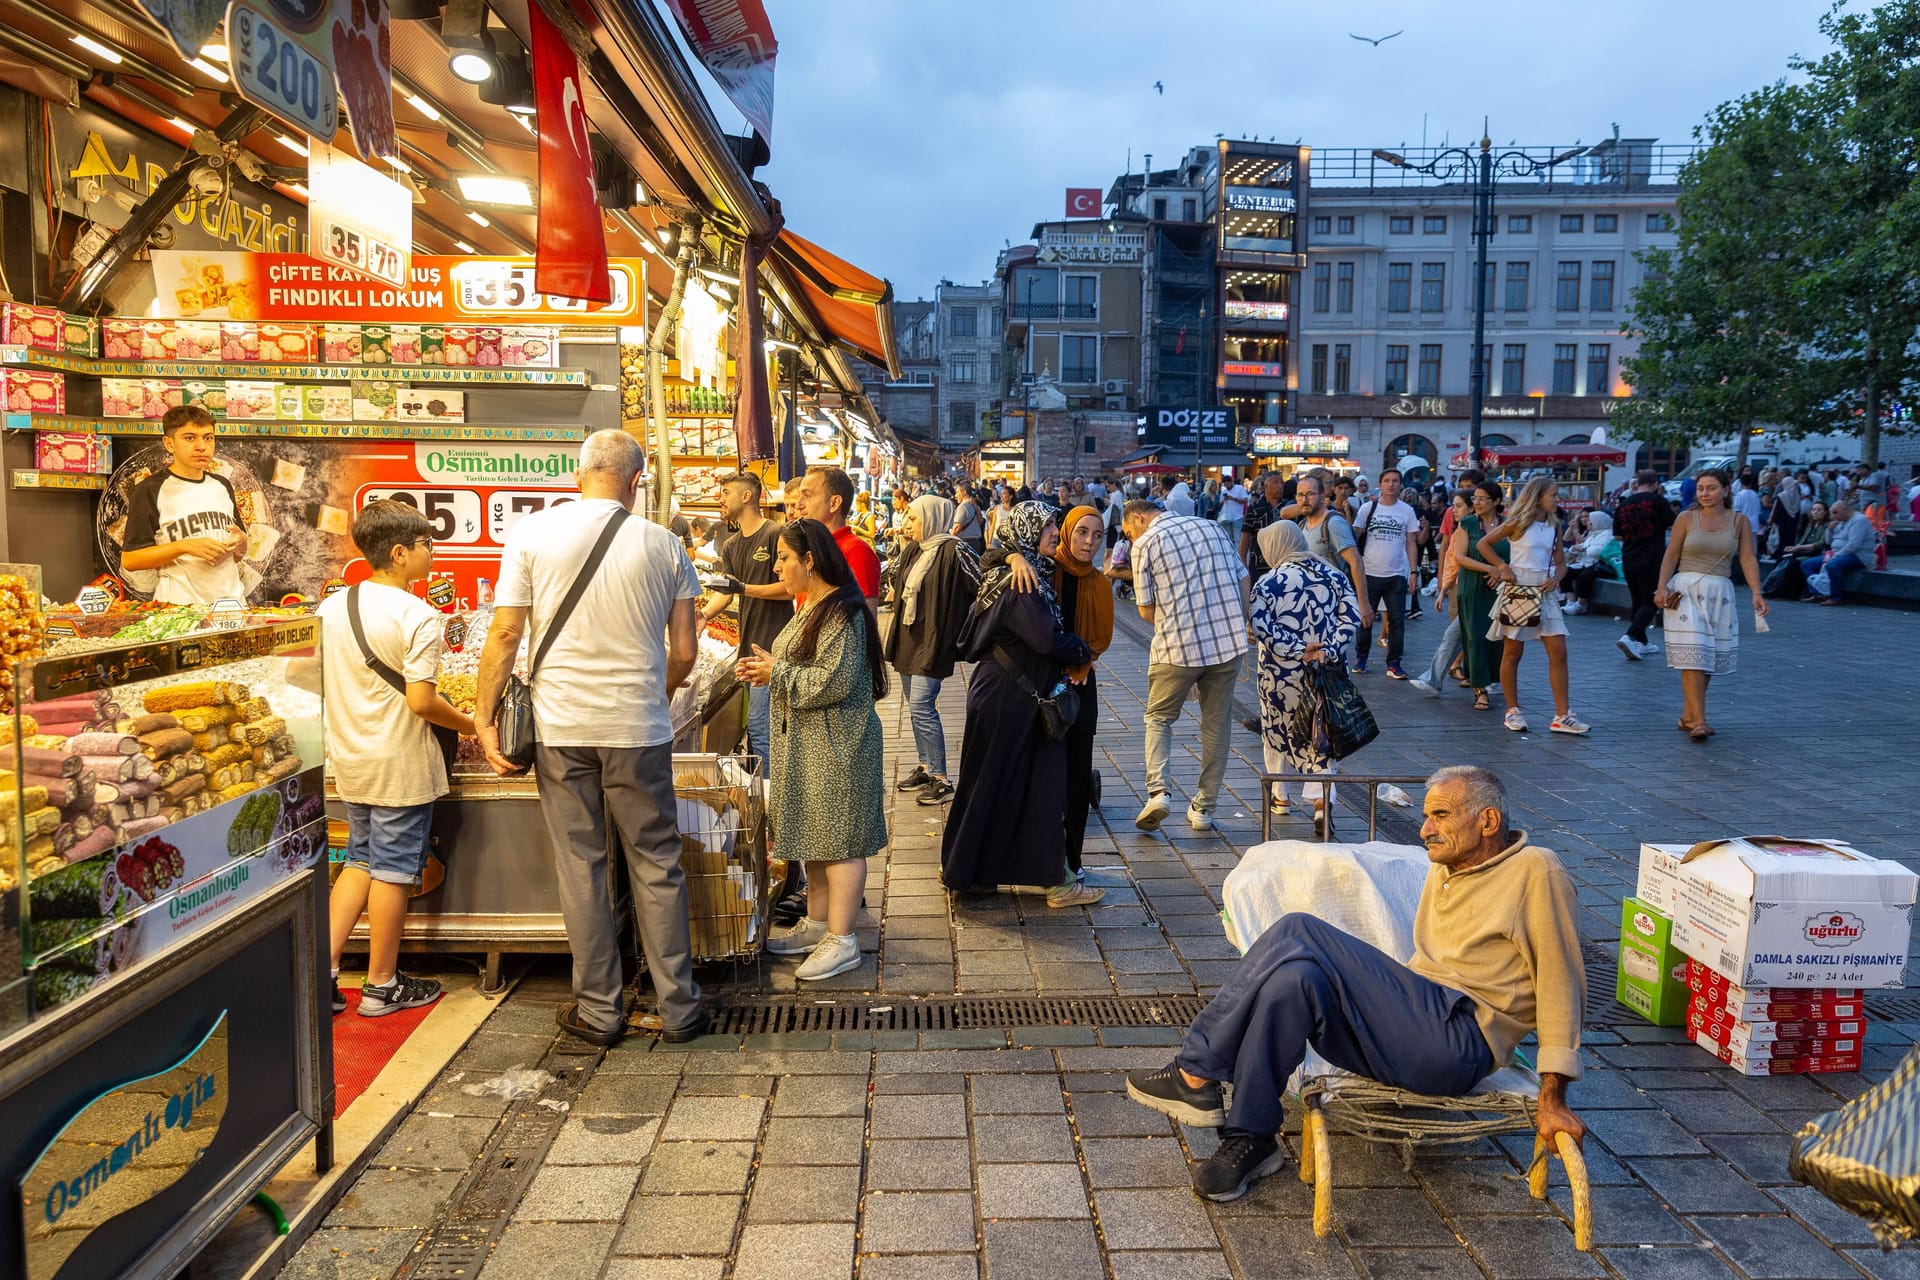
{"points": [[1599, 435]]}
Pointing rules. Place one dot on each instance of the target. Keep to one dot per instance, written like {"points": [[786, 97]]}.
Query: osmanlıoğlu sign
{"points": [[121, 1150]]}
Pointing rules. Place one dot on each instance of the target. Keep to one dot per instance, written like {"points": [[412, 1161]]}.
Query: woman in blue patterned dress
{"points": [[1303, 611]]}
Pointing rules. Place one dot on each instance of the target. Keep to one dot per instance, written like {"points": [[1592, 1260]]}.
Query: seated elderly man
{"points": [[1496, 956]]}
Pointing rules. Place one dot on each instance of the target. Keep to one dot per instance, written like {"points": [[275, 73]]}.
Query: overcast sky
{"points": [[914, 137]]}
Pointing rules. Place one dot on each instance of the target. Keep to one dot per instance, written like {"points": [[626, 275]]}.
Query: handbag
{"points": [[1343, 722], [446, 739], [1518, 606], [513, 718], [1057, 713]]}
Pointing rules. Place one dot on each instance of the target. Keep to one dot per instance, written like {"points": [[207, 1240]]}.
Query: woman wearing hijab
{"points": [[933, 580], [1086, 605], [1596, 557], [1303, 612], [1007, 821]]}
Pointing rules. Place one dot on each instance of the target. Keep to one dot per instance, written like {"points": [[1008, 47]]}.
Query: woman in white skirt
{"points": [[1701, 622], [1526, 585]]}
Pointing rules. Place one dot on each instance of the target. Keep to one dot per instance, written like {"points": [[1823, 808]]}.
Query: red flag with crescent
{"points": [[570, 258]]}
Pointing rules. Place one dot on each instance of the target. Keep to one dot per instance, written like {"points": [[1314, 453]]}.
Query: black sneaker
{"points": [[1241, 1160], [1394, 672], [938, 792], [1417, 613], [339, 1001], [1167, 1093], [701, 1024], [915, 780], [402, 993]]}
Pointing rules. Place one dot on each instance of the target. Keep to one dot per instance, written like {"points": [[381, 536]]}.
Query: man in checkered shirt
{"points": [[1187, 581]]}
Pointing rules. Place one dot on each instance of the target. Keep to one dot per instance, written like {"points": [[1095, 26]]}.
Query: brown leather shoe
{"points": [[569, 1020]]}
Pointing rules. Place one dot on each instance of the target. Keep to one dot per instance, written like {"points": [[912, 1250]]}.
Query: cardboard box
{"points": [[120, 339], [70, 451], [528, 348], [1779, 1010], [159, 340], [1738, 1031], [292, 343], [375, 401], [36, 391], [196, 340], [406, 344], [80, 335], [42, 328], [340, 344], [376, 344], [1717, 986], [211, 396], [431, 404], [1778, 912], [1651, 969], [1658, 884], [240, 341], [1769, 1065], [252, 400]]}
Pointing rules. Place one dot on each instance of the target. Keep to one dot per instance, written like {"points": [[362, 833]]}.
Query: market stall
{"points": [[1580, 469], [1291, 450]]}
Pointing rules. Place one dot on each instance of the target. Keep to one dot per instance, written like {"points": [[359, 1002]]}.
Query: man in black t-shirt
{"points": [[766, 606], [1641, 522]]}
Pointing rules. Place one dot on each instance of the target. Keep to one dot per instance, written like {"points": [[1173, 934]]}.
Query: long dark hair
{"points": [[812, 539]]}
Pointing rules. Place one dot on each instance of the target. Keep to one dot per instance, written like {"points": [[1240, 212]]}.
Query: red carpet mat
{"points": [[362, 1046]]}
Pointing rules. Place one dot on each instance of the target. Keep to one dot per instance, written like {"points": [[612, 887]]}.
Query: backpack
{"points": [[1360, 525]]}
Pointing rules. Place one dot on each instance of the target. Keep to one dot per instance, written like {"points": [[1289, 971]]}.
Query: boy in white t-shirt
{"points": [[1391, 529], [184, 522], [381, 751]]}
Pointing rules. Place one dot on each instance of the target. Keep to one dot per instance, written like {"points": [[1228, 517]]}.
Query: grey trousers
{"points": [[580, 788], [1167, 687]]}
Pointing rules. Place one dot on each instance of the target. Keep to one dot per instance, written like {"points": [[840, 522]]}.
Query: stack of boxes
{"points": [[1762, 947]]}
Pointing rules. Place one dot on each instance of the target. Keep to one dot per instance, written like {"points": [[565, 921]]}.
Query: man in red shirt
{"points": [[826, 495]]}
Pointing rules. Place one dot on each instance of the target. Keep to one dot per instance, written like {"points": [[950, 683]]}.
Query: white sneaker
{"points": [[834, 955], [1570, 723], [798, 939], [1420, 683], [1153, 813], [1199, 819], [1648, 649], [1515, 721], [1631, 647]]}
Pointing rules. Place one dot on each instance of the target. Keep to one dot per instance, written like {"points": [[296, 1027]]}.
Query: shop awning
{"points": [[855, 308], [1547, 455]]}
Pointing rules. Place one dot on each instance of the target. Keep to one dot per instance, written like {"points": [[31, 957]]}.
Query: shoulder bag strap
{"points": [[579, 587], [1019, 677], [374, 664]]}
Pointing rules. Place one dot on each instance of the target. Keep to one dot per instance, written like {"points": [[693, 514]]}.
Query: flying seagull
{"points": [[1159, 88], [1377, 43]]}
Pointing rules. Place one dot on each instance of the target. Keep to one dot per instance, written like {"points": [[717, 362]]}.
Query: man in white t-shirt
{"points": [[184, 522], [1389, 529], [1233, 509], [600, 698]]}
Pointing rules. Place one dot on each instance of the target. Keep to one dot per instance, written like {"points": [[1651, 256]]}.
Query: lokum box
{"points": [[252, 400], [340, 344], [240, 341], [36, 391], [73, 451], [42, 328], [196, 340], [159, 340]]}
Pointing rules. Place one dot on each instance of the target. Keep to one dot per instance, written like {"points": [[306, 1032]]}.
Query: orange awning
{"points": [[854, 308]]}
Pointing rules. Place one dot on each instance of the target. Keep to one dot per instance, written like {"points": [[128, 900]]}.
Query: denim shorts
{"points": [[389, 844]]}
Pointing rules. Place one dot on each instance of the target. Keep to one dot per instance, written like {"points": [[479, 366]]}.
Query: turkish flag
{"points": [[1083, 202], [571, 257]]}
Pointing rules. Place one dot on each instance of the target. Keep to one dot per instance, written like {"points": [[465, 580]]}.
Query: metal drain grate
{"points": [[1891, 1008], [960, 1013]]}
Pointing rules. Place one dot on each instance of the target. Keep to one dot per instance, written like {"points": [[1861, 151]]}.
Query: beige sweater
{"points": [[1505, 934]]}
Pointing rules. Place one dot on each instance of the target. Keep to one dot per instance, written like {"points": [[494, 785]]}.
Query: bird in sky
{"points": [[1159, 88], [1377, 43]]}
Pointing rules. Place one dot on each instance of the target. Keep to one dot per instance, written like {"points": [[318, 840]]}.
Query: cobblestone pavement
{"points": [[1013, 1152]]}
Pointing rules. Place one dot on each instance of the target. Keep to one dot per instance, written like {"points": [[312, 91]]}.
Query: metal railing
{"points": [[1626, 163], [1055, 311]]}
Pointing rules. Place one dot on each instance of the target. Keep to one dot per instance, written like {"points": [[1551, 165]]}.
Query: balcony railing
{"points": [[1074, 376], [1631, 163], [1055, 311]]}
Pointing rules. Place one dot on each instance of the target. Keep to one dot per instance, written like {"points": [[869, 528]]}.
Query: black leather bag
{"points": [[1057, 713], [513, 718], [446, 739]]}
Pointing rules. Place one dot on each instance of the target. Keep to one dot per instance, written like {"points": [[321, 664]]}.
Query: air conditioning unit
{"points": [[1114, 386], [1117, 402]]}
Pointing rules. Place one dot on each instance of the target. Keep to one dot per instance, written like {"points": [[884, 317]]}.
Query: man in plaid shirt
{"points": [[1187, 581]]}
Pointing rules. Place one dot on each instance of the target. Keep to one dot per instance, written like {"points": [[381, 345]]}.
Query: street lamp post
{"points": [[1479, 166]]}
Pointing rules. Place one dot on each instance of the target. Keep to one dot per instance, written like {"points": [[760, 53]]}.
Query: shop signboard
{"points": [[1241, 309], [357, 217], [1211, 427], [1253, 369], [295, 287], [282, 60], [734, 41], [1259, 200], [1277, 442]]}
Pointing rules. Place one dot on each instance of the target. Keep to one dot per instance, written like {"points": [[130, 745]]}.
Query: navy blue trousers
{"points": [[1307, 983]]}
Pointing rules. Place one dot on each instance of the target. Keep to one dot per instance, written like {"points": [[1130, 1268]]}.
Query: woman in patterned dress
{"points": [[824, 675], [1303, 611]]}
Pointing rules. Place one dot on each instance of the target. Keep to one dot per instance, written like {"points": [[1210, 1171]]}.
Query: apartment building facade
{"points": [[968, 328]]}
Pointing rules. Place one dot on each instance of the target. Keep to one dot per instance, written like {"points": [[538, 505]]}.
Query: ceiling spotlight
{"points": [[183, 124], [511, 85], [478, 219], [215, 53], [208, 70], [500, 189], [470, 52], [99, 50], [424, 107], [474, 66], [293, 144], [463, 246]]}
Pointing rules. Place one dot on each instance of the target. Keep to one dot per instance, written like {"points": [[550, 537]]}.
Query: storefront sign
{"points": [[121, 1150], [1237, 309], [1090, 253], [734, 41], [1274, 442], [1180, 425], [1260, 201], [439, 290], [244, 217], [283, 60], [1529, 410], [1252, 369], [357, 217], [572, 252]]}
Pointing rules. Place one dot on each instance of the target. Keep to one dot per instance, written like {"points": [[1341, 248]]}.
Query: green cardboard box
{"points": [[1652, 970]]}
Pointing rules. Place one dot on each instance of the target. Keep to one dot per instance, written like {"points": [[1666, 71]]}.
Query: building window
{"points": [[1322, 286], [1434, 224], [1343, 286], [1342, 368], [962, 370], [1317, 375], [1344, 224], [1513, 369], [1433, 286], [1606, 222], [1487, 274], [922, 378], [1429, 368], [1564, 354], [995, 375], [1159, 208], [1083, 298], [1186, 210], [1518, 274], [1519, 224], [964, 322], [1399, 286], [1400, 224], [1079, 358], [1322, 225], [1396, 371], [1599, 369], [1483, 367], [960, 418], [1658, 222], [1573, 221], [1566, 288], [1600, 288]]}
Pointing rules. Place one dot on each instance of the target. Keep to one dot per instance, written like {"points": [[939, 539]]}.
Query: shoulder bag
{"points": [[514, 716], [1359, 524], [1057, 713], [1518, 606], [446, 739]]}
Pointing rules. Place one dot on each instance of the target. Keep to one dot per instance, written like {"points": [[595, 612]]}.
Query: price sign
{"points": [[356, 250], [358, 218], [491, 288], [453, 513], [507, 508], [286, 71]]}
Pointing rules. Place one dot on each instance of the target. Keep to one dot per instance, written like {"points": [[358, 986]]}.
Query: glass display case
{"points": [[153, 791]]}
